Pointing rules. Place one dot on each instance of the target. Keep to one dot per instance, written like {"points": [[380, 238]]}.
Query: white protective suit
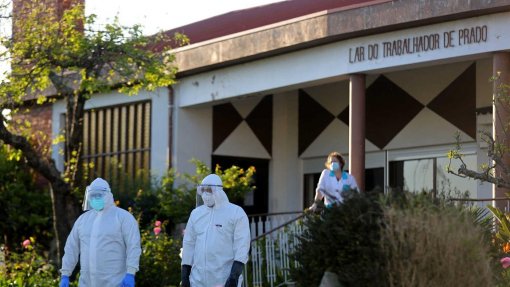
{"points": [[214, 238], [107, 243]]}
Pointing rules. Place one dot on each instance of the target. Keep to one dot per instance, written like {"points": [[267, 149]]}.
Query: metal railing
{"points": [[264, 222], [501, 202], [273, 239]]}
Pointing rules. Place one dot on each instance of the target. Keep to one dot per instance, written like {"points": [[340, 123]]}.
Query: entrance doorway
{"points": [[257, 201]]}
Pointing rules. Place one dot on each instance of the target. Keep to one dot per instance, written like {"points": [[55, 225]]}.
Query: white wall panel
{"points": [[286, 175], [333, 97], [242, 142], [192, 138], [427, 128], [426, 83]]}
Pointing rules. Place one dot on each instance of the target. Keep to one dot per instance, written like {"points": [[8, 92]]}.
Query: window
{"points": [[412, 175], [374, 181], [310, 181], [431, 174], [116, 142], [256, 201]]}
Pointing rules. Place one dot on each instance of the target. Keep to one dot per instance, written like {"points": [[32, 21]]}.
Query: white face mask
{"points": [[208, 199]]}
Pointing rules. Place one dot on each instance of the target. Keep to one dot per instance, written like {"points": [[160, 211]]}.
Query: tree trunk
{"points": [[65, 212], [75, 112], [65, 205]]}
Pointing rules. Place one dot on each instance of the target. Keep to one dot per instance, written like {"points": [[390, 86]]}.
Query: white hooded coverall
{"points": [[213, 239], [107, 243]]}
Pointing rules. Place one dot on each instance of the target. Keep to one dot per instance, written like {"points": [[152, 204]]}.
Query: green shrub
{"points": [[344, 240], [401, 239], [160, 263], [427, 246], [26, 208], [176, 201]]}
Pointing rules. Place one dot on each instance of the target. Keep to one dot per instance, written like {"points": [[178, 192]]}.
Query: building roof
{"points": [[251, 18], [261, 32]]}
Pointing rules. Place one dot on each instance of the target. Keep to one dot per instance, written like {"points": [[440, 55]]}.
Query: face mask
{"points": [[97, 203], [208, 199], [335, 166]]}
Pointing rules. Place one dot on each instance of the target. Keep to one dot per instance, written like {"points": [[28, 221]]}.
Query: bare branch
{"points": [[497, 157], [483, 176]]}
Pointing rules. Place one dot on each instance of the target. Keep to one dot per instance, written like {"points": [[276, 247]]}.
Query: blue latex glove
{"points": [[128, 281], [64, 281]]}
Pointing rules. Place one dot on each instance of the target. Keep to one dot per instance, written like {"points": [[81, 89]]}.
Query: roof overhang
{"points": [[323, 28]]}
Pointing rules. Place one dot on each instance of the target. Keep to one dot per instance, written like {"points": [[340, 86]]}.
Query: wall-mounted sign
{"points": [[418, 44]]}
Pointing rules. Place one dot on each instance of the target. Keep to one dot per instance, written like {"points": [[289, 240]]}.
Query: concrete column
{"points": [[357, 128], [501, 114]]}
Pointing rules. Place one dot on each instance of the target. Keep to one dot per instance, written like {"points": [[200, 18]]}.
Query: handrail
{"points": [[480, 199], [275, 213], [278, 227]]}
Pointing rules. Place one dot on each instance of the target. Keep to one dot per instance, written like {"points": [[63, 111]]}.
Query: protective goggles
{"points": [[209, 188], [96, 193]]}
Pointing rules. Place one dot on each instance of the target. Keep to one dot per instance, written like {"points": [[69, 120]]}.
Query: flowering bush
{"points": [[502, 240], [28, 268], [237, 182], [160, 264], [505, 262]]}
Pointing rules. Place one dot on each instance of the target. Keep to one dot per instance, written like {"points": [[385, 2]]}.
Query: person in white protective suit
{"points": [[106, 239], [216, 240]]}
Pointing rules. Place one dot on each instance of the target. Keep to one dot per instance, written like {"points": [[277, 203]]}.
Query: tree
{"points": [[62, 56]]}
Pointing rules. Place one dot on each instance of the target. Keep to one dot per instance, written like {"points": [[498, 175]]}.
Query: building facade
{"points": [[389, 84]]}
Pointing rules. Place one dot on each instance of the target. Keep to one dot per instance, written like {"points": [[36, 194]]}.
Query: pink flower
{"points": [[505, 262], [26, 243], [157, 230], [157, 223]]}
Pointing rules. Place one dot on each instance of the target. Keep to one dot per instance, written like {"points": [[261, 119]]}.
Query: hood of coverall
{"points": [[102, 185], [214, 182]]}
